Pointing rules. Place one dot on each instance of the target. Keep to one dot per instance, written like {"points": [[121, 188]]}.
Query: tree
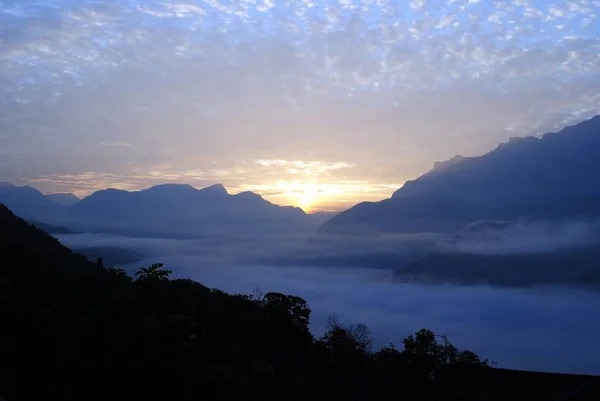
{"points": [[152, 273], [353, 338], [469, 358], [257, 295], [289, 306], [425, 355]]}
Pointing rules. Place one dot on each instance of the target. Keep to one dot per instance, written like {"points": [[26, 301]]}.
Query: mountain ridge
{"points": [[180, 208], [165, 209], [530, 178]]}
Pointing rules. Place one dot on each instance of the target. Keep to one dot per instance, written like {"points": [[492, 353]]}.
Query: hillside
{"points": [[22, 243], [554, 178]]}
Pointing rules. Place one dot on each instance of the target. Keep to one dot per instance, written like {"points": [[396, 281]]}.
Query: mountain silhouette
{"points": [[554, 177], [63, 199], [161, 210], [29, 203], [176, 209]]}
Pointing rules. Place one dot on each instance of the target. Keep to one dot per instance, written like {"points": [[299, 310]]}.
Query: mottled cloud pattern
{"points": [[344, 98]]}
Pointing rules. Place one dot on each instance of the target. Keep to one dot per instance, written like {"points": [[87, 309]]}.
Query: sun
{"points": [[309, 196], [306, 200], [303, 195]]}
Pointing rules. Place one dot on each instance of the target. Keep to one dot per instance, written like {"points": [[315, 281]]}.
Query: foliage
{"points": [[355, 338], [154, 272]]}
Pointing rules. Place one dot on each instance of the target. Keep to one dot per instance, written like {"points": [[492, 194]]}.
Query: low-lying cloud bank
{"points": [[546, 329], [498, 238]]}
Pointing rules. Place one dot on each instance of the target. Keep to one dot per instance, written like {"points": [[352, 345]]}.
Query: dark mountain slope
{"points": [[555, 177], [24, 244]]}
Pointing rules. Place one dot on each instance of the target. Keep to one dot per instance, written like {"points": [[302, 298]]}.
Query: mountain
{"points": [[6, 186], [51, 229], [63, 199], [22, 244], [555, 177], [174, 209], [111, 256], [29, 203]]}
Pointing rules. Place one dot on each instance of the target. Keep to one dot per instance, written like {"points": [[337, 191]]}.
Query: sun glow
{"points": [[307, 195], [314, 195], [306, 200]]}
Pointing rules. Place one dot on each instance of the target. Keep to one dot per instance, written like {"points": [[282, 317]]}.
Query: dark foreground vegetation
{"points": [[75, 330]]}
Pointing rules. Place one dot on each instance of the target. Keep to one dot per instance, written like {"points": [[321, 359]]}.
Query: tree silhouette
{"points": [[100, 264], [355, 337], [152, 273], [290, 306]]}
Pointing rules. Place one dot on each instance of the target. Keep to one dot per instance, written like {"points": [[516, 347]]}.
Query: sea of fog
{"points": [[548, 329]]}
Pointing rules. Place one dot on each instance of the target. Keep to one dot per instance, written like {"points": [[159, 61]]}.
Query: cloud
{"points": [[523, 238], [375, 84], [117, 144], [311, 168]]}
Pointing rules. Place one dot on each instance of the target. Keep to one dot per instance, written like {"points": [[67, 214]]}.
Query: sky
{"points": [[320, 104]]}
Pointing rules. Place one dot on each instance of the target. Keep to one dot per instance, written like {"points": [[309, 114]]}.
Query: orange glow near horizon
{"points": [[313, 196], [306, 190], [312, 185], [306, 196]]}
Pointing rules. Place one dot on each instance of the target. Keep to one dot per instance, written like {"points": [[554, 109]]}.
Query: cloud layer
{"points": [[129, 94], [546, 329]]}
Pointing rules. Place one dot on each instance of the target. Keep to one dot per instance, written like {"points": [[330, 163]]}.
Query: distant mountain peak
{"points": [[64, 194], [110, 190], [63, 199], [170, 188], [6, 186], [171, 185], [249, 194], [514, 140], [215, 189], [28, 202], [441, 165]]}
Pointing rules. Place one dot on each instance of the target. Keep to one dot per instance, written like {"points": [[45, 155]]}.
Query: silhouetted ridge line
{"points": [[555, 177]]}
